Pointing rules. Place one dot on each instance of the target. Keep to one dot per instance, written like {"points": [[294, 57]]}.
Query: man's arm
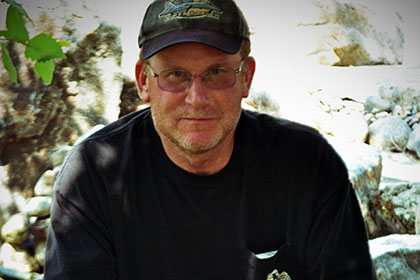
{"points": [[79, 244], [344, 251]]}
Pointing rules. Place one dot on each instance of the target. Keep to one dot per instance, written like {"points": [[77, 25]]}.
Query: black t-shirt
{"points": [[123, 210]]}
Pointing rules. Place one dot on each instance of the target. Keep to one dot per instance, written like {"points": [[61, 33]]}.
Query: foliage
{"points": [[42, 48]]}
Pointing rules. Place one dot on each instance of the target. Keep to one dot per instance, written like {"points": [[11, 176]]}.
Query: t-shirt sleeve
{"points": [[79, 239], [337, 242]]}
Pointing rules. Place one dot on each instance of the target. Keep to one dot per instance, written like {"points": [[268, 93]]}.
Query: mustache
{"points": [[197, 114]]}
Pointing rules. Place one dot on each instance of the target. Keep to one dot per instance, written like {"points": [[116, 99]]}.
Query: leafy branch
{"points": [[42, 48]]}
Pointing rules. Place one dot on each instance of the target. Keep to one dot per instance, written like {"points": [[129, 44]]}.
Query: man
{"points": [[195, 187]]}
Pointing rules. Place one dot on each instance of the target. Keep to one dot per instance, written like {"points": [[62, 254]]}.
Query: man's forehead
{"points": [[192, 52]]}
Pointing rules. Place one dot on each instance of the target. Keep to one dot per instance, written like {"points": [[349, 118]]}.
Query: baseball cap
{"points": [[216, 23]]}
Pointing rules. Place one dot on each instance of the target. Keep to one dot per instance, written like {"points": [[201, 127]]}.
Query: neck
{"points": [[206, 163]]}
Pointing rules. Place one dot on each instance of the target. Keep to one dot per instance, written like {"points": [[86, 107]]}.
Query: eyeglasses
{"points": [[214, 78]]}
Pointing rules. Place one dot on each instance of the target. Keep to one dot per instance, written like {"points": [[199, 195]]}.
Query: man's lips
{"points": [[198, 119]]}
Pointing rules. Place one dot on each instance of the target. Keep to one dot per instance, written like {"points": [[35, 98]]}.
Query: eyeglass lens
{"points": [[178, 80]]}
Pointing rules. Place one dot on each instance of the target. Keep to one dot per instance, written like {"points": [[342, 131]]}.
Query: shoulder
{"points": [[280, 139], [110, 144], [269, 128]]}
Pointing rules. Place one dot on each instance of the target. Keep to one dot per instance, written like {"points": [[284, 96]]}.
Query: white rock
{"points": [[57, 157], [390, 133], [19, 261], [375, 104], [45, 183], [38, 206], [16, 229], [40, 253]]}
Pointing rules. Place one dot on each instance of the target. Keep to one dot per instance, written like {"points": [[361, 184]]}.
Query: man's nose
{"points": [[197, 93]]}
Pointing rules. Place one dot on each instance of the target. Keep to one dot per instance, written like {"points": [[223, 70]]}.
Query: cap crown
{"points": [[219, 16]]}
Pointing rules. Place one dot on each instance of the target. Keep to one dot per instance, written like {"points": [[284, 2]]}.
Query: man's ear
{"points": [[141, 79], [249, 71]]}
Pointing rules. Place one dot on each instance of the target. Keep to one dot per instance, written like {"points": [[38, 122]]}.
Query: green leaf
{"points": [[63, 43], [45, 70], [8, 64], [18, 7], [43, 47], [15, 24]]}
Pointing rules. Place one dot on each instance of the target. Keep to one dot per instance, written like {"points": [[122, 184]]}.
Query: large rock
{"points": [[343, 33], [327, 112], [389, 133], [394, 208], [364, 165], [396, 257]]}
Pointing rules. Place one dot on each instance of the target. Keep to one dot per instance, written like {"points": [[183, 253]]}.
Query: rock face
{"points": [[396, 257], [343, 33]]}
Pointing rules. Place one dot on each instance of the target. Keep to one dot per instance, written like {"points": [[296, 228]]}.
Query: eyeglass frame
{"points": [[236, 71]]}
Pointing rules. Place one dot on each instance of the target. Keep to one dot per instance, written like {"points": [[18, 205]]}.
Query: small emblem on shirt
{"points": [[275, 275], [190, 9]]}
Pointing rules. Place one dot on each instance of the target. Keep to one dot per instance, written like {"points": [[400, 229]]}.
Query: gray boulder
{"points": [[389, 133]]}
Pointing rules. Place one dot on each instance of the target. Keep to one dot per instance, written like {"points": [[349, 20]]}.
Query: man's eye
{"points": [[216, 71], [176, 75]]}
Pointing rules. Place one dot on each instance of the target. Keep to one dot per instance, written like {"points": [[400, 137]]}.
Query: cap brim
{"points": [[223, 42]]}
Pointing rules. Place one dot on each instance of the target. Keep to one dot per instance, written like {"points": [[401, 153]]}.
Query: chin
{"points": [[197, 147]]}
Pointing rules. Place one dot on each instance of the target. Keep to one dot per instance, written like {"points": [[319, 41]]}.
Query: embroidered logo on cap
{"points": [[190, 9], [275, 275]]}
